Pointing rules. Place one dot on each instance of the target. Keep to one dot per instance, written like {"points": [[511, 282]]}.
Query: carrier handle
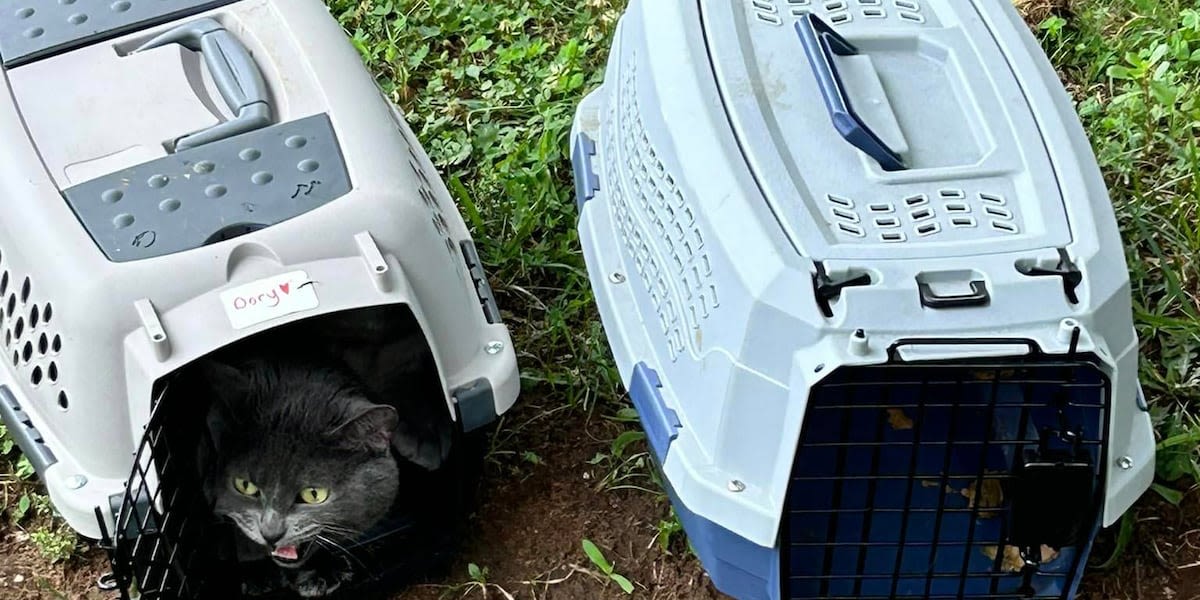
{"points": [[233, 70], [893, 351], [978, 296], [820, 43]]}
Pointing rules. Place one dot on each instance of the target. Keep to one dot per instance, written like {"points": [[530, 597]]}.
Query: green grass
{"points": [[490, 87], [1134, 66]]}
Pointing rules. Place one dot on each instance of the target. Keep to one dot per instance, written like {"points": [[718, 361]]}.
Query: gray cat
{"points": [[303, 465]]}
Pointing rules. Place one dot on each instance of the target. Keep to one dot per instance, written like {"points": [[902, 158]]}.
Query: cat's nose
{"points": [[272, 537], [272, 530]]}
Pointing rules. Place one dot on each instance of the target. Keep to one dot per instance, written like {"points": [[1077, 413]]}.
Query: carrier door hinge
{"points": [[827, 289], [1071, 276]]}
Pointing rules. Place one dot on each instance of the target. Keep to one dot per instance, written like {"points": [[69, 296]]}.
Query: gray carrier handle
{"points": [[820, 43], [233, 70]]}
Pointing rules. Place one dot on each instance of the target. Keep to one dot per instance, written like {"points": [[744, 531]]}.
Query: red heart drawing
{"points": [[285, 287]]}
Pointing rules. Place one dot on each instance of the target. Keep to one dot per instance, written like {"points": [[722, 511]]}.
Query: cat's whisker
{"points": [[332, 545]]}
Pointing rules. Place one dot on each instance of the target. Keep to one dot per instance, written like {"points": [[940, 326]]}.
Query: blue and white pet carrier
{"points": [[862, 278]]}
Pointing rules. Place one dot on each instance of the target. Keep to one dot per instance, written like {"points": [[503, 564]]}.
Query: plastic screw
{"points": [[617, 278], [76, 482], [736, 486], [1125, 462], [494, 347]]}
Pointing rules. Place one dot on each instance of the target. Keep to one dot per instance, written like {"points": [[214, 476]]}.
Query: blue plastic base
{"points": [[737, 566]]}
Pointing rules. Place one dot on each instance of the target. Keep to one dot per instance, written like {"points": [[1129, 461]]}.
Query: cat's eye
{"points": [[245, 487], [314, 495]]}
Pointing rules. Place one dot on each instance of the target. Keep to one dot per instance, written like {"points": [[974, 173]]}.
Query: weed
{"points": [[57, 542], [597, 557], [667, 530], [478, 584]]}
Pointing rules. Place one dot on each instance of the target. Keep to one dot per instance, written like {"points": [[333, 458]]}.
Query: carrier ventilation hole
{"points": [[26, 288], [929, 229], [993, 199], [27, 352], [887, 222], [834, 5], [7, 339], [52, 372], [923, 214], [4, 283], [34, 316], [907, 5], [998, 212], [12, 304], [63, 402], [1003, 226], [874, 13], [43, 344], [881, 208], [958, 207], [963, 221], [840, 201], [853, 230], [846, 215], [19, 328], [840, 18], [36, 376], [893, 236], [917, 200], [16, 358], [56, 344], [47, 313]]}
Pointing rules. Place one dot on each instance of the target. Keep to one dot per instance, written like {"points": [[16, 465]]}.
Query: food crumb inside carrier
{"points": [[859, 271], [186, 178]]}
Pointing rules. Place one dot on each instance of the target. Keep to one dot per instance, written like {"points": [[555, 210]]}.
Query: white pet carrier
{"points": [[861, 276], [180, 175]]}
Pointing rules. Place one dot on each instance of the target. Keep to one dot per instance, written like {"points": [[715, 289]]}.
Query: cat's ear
{"points": [[222, 384], [427, 447], [225, 381], [370, 428]]}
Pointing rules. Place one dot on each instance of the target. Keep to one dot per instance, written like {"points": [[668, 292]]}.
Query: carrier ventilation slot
{"points": [[913, 480]]}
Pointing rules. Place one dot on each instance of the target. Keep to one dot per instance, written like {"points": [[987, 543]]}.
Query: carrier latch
{"points": [[828, 289], [1066, 269], [1053, 493]]}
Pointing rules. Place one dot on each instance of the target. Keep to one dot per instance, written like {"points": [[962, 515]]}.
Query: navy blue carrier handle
{"points": [[820, 43]]}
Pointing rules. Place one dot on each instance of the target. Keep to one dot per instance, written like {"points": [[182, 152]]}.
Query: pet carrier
{"points": [[859, 271], [182, 176]]}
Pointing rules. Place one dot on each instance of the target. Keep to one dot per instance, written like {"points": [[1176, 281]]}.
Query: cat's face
{"points": [[289, 497], [302, 462]]}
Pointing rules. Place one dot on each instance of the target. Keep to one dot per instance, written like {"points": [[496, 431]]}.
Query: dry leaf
{"points": [[1013, 563], [898, 420], [992, 496], [929, 484]]}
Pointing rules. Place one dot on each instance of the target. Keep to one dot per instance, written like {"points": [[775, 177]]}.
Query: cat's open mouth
{"points": [[290, 556]]}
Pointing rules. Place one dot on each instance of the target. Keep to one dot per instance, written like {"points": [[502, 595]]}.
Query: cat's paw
{"points": [[311, 584]]}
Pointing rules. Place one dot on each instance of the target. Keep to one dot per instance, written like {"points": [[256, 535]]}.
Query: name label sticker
{"points": [[271, 298]]}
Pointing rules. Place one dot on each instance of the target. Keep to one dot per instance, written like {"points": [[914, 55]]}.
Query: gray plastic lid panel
{"points": [[934, 85], [32, 29], [187, 199]]}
